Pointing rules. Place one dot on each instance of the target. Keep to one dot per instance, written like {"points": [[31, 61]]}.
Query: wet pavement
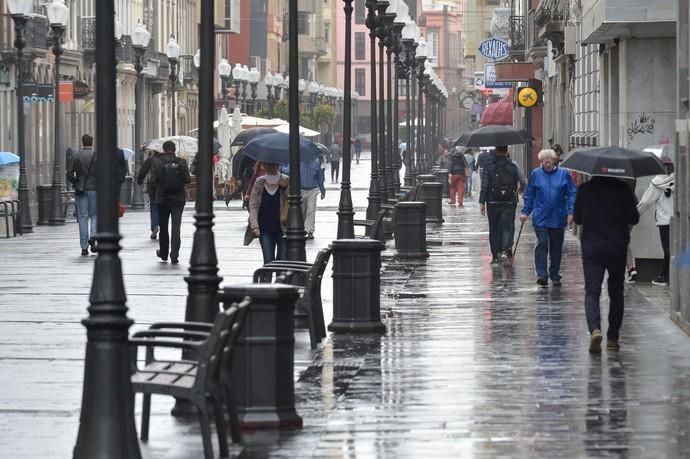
{"points": [[466, 368]]}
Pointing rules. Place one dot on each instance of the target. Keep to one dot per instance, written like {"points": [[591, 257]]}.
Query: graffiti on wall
{"points": [[641, 124]]}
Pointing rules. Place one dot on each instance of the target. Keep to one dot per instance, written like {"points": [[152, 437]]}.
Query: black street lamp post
{"points": [[410, 46], [398, 25], [389, 43], [173, 53], [224, 71], [295, 237], [268, 81], [346, 228], [140, 40], [254, 77], [237, 77], [421, 58], [58, 14], [374, 196], [106, 424], [381, 30], [20, 10]]}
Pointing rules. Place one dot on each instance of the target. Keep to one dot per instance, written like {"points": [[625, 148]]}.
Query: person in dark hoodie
{"points": [[605, 207], [660, 194]]}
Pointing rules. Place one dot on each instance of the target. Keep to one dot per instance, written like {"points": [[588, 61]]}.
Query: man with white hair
{"points": [[550, 198]]}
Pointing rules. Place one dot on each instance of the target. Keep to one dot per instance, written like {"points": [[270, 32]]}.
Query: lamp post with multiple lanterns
{"points": [[172, 50], [140, 41]]}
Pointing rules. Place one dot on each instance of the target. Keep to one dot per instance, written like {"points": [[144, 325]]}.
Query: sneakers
{"points": [[612, 345], [92, 245], [595, 342], [158, 254], [542, 281], [660, 281], [154, 232], [556, 283], [631, 275], [84, 252]]}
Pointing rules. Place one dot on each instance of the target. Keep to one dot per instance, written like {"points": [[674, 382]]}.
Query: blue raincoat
{"points": [[550, 197]]}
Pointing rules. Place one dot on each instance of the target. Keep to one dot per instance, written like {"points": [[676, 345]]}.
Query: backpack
{"points": [[503, 183], [457, 164], [173, 176]]}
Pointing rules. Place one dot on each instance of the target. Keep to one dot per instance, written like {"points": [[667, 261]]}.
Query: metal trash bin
{"points": [[126, 191], [44, 196], [442, 178], [431, 195]]}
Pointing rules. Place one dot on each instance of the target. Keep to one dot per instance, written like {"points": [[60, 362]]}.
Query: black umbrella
{"points": [[323, 149], [613, 162], [493, 136], [245, 136], [274, 148]]}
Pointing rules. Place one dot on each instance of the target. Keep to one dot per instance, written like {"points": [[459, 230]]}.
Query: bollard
{"points": [[45, 199], [423, 178], [263, 362], [126, 192], [431, 195], [441, 176], [357, 286], [410, 229]]}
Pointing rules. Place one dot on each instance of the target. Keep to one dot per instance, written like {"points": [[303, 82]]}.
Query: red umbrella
{"points": [[498, 113]]}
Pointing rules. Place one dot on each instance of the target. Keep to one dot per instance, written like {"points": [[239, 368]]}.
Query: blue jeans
{"points": [[155, 215], [468, 184], [549, 243], [269, 243], [501, 227], [86, 210]]}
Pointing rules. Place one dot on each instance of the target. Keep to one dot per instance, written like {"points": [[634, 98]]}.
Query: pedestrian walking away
{"points": [[268, 212], [312, 185], [358, 149], [170, 174], [550, 199], [469, 171], [82, 175], [336, 152], [605, 207], [151, 191], [498, 200], [660, 195], [457, 173]]}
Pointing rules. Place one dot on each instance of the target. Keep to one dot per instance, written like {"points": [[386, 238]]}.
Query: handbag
{"points": [[120, 210], [248, 235]]}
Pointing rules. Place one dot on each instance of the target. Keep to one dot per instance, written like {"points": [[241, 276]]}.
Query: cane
{"points": [[512, 260]]}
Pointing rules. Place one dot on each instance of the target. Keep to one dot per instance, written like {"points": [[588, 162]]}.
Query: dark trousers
{"points": [[153, 210], [594, 268], [335, 170], [272, 246], [665, 235], [501, 227], [549, 245], [167, 213]]}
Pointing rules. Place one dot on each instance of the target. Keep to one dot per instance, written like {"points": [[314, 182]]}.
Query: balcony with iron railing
{"points": [[35, 34], [87, 34], [535, 44], [549, 20], [187, 69], [517, 37]]}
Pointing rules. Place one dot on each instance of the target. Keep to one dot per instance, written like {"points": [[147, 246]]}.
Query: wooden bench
{"points": [[308, 277], [373, 228], [198, 379]]}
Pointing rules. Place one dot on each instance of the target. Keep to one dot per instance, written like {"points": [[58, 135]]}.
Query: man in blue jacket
{"points": [[550, 198]]}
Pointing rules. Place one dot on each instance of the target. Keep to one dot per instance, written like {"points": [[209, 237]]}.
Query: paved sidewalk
{"points": [[466, 369]]}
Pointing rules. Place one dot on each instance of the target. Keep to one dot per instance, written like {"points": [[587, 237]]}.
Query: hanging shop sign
{"points": [[494, 49]]}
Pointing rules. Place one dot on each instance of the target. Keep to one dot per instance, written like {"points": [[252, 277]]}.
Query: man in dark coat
{"points": [[605, 207], [169, 174]]}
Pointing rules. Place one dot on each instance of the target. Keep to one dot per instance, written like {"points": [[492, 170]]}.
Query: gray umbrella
{"points": [[613, 162]]}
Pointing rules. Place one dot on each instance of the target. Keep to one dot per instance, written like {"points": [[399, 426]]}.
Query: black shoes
{"points": [[556, 283], [494, 261], [158, 254], [92, 245], [174, 260], [310, 235], [542, 281], [84, 252], [661, 281], [154, 232]]}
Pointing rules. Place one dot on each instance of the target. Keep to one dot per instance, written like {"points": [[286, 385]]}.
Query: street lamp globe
{"points": [[278, 79], [301, 85], [58, 13], [403, 12], [254, 75], [421, 48], [268, 79], [237, 72], [408, 30], [197, 58], [224, 68], [20, 7], [245, 73], [141, 36], [172, 49], [392, 6], [417, 33], [313, 87]]}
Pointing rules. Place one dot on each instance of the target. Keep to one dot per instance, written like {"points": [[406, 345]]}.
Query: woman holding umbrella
{"points": [[267, 205]]}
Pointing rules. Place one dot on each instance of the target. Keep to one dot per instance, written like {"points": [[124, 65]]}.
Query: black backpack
{"points": [[503, 183], [457, 164], [173, 176]]}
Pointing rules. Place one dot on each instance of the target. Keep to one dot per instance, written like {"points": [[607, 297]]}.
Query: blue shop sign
{"points": [[494, 48]]}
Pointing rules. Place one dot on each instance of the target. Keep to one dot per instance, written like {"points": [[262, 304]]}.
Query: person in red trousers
{"points": [[456, 171]]}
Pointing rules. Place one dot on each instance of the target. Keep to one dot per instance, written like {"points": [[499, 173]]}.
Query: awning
{"points": [[498, 113], [584, 139]]}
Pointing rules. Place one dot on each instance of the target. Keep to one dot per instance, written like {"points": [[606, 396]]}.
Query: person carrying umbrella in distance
{"points": [[605, 207], [550, 199], [267, 205]]}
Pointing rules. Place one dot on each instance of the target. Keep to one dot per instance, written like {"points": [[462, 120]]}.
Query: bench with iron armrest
{"points": [[308, 276], [10, 210], [373, 228], [199, 378]]}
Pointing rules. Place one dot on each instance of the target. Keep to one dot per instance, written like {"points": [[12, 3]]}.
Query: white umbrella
{"points": [[129, 154], [185, 146], [304, 132], [252, 121]]}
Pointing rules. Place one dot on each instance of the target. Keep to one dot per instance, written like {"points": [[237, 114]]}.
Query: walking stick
{"points": [[512, 260]]}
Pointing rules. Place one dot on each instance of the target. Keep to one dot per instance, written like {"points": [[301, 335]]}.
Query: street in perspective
{"points": [[389, 229]]}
